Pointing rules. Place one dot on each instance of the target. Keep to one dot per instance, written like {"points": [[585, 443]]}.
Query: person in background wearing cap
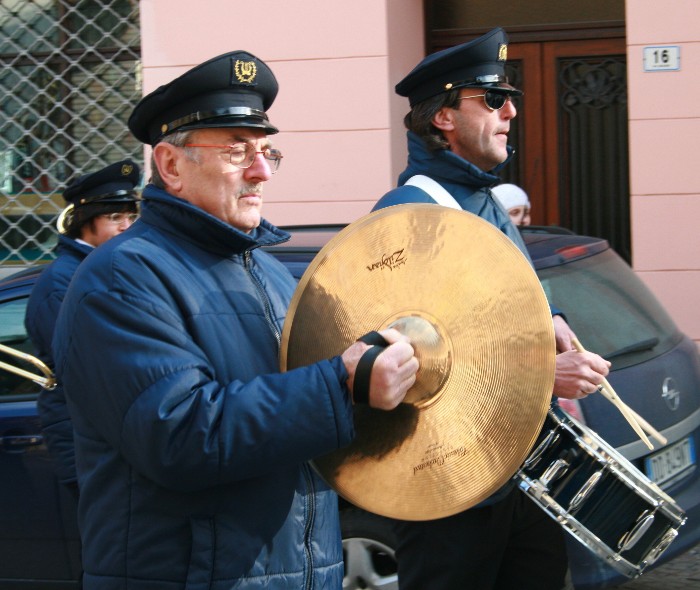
{"points": [[192, 447], [514, 200], [101, 205], [458, 127]]}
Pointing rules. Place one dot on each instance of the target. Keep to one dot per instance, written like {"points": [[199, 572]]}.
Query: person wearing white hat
{"points": [[514, 201]]}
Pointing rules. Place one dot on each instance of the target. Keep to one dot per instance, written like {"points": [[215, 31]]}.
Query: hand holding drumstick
{"points": [[635, 420]]}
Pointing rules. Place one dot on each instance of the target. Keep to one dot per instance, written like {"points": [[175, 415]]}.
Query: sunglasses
{"points": [[494, 100]]}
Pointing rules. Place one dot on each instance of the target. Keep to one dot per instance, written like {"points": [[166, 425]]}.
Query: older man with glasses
{"points": [[193, 448], [456, 147]]}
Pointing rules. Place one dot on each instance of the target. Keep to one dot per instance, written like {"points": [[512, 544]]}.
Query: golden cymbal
{"points": [[480, 323]]}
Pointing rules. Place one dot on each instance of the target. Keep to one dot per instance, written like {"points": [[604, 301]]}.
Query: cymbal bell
{"points": [[480, 324]]}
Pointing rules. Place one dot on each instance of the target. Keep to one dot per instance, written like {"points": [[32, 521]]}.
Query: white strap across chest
{"points": [[434, 189]]}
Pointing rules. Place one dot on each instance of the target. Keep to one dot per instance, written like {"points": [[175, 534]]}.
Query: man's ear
{"points": [[167, 157], [444, 119]]}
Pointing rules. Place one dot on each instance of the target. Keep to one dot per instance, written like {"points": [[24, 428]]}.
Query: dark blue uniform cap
{"points": [[113, 184], [477, 64], [232, 90]]}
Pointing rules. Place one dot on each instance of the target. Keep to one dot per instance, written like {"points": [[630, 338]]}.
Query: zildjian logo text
{"points": [[390, 261]]}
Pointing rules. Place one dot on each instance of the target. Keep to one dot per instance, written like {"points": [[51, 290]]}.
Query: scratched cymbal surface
{"points": [[482, 329]]}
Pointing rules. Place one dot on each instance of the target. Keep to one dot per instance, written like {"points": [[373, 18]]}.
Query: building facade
{"points": [[341, 123]]}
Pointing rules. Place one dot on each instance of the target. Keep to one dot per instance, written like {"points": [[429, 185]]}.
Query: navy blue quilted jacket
{"points": [[467, 184], [192, 448], [40, 320]]}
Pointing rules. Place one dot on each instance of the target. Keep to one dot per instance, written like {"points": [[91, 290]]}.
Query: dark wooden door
{"points": [[570, 134], [571, 137]]}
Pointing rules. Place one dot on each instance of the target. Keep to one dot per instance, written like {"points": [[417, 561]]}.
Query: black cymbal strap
{"points": [[363, 371]]}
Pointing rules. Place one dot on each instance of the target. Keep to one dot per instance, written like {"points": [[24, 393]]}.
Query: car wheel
{"points": [[368, 551]]}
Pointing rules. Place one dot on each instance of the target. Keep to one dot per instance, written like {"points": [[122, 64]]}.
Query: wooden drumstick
{"points": [[608, 392], [627, 412], [648, 428], [606, 388]]}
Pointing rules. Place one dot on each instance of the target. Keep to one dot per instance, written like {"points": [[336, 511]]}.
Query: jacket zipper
{"points": [[247, 262], [308, 526], [310, 502]]}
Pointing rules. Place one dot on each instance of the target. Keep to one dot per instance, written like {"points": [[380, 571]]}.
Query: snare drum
{"points": [[598, 496]]}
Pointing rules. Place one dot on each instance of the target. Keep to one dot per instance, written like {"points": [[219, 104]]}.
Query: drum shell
{"points": [[564, 459]]}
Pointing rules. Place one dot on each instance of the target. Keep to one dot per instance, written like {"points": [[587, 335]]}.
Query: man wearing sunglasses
{"points": [[461, 109], [193, 448]]}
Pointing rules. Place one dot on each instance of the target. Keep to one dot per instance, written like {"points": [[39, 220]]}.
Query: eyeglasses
{"points": [[242, 155], [494, 100], [119, 218]]}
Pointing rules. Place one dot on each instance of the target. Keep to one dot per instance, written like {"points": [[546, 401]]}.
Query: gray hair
{"points": [[420, 119], [177, 139]]}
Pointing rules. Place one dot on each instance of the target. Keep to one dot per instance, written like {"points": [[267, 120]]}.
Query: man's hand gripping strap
{"points": [[363, 372]]}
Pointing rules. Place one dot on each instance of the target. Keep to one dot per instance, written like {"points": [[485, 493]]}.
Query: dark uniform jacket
{"points": [[191, 447], [467, 184], [40, 321]]}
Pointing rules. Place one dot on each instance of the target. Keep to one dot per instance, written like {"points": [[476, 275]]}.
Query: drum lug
{"points": [[585, 490], [665, 541], [554, 472], [536, 455], [630, 538]]}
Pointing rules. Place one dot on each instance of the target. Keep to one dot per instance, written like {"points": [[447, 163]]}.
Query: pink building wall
{"points": [[664, 156], [341, 123]]}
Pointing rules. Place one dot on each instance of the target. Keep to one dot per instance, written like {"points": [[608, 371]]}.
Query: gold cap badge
{"points": [[502, 52], [245, 71]]}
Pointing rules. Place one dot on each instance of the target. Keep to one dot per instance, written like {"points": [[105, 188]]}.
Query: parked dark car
{"points": [[655, 370]]}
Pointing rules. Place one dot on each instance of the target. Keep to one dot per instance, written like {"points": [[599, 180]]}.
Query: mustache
{"points": [[250, 189]]}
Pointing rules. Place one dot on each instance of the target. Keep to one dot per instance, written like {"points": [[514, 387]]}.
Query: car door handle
{"points": [[19, 442]]}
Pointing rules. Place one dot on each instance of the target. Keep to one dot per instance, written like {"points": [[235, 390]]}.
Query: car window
{"points": [[611, 310], [13, 334]]}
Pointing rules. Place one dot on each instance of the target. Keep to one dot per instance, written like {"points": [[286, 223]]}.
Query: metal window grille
{"points": [[69, 79]]}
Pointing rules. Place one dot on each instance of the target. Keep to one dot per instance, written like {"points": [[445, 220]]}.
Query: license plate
{"points": [[664, 466]]}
